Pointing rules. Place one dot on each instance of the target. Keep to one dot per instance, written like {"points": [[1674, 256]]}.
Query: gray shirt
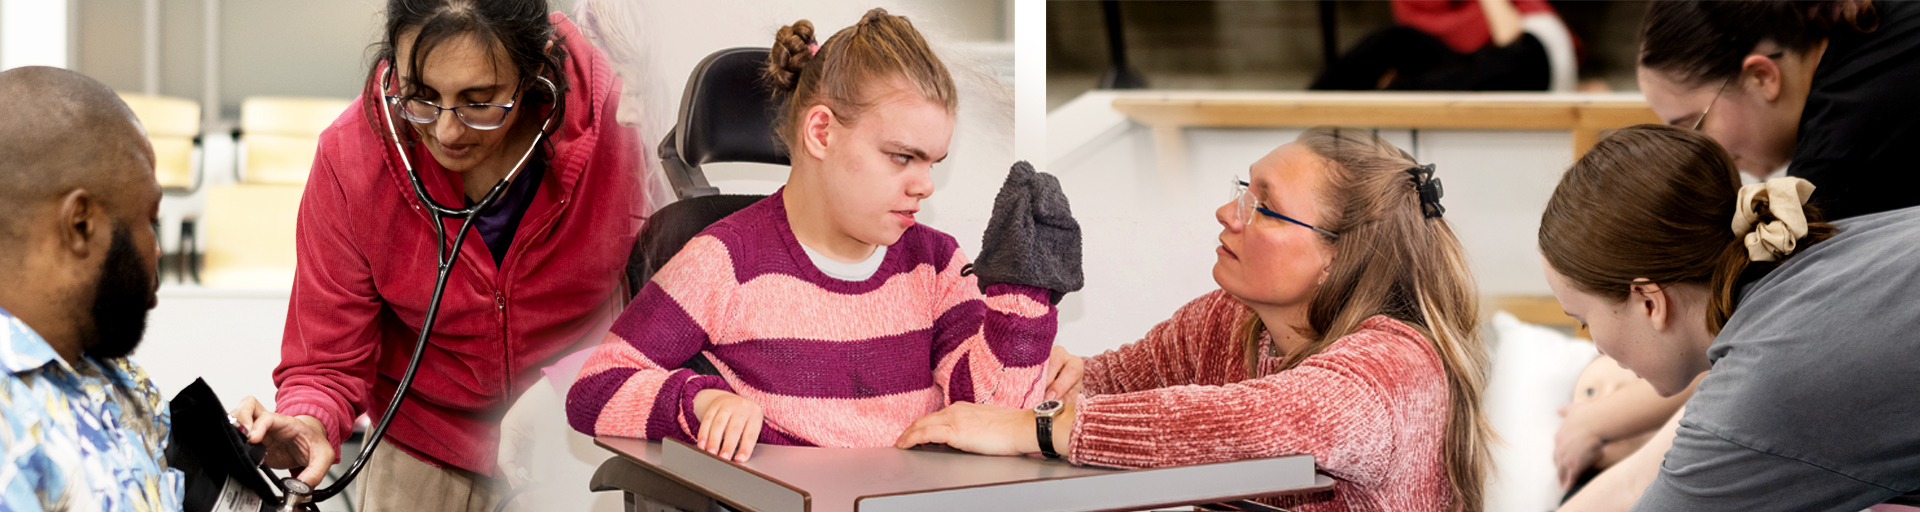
{"points": [[1813, 402]]}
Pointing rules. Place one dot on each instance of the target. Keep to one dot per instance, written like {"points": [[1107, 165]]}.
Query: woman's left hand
{"points": [[976, 428]]}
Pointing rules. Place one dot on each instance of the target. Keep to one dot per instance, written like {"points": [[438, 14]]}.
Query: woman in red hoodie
{"points": [[542, 279]]}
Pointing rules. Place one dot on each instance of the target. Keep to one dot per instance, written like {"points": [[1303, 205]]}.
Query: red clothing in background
{"points": [[366, 271], [1459, 23], [1371, 408]]}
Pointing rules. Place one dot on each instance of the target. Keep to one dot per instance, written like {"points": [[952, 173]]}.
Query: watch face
{"points": [[1047, 408]]}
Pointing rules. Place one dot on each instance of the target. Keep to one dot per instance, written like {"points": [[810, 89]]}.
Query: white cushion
{"points": [[1534, 369]]}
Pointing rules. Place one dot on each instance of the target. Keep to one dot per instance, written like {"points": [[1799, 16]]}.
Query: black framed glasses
{"points": [[479, 116], [1245, 205]]}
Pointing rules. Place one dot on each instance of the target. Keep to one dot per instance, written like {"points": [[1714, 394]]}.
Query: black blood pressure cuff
{"points": [[220, 466]]}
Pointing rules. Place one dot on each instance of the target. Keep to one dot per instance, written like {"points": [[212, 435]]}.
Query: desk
{"points": [[784, 478]]}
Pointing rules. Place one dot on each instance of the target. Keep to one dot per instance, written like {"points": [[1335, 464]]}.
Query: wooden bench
{"points": [[1170, 113]]}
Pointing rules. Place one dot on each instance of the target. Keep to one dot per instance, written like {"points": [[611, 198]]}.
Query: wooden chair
{"points": [[279, 135], [1537, 310], [249, 226], [173, 125], [249, 232]]}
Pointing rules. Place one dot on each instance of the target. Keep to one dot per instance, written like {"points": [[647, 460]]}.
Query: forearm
{"points": [[1629, 412], [1329, 413], [622, 391], [1019, 327], [1166, 355], [996, 354], [1615, 451], [1503, 21], [1620, 486]]}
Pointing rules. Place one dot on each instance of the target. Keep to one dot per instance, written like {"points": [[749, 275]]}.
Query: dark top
{"points": [[1811, 401], [497, 223], [1862, 118]]}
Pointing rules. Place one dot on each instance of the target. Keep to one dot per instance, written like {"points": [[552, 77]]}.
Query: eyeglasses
{"points": [[1716, 99], [479, 116], [1723, 90], [1246, 204]]}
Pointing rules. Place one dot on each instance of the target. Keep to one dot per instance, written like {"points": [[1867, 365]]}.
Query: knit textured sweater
{"points": [[830, 362], [1371, 408]]}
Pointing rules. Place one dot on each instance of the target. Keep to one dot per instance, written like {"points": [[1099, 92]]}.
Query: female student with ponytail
{"points": [[1345, 327], [833, 317], [1807, 327], [1816, 89]]}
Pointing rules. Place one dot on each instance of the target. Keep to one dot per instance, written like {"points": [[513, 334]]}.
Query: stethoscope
{"points": [[300, 496]]}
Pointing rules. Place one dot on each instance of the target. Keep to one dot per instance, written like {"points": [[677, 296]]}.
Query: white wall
{"points": [[34, 33]]}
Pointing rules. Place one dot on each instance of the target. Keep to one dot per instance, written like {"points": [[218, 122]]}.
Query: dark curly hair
{"points": [[517, 29]]}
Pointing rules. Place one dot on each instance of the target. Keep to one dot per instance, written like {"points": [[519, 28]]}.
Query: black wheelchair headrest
{"points": [[726, 115]]}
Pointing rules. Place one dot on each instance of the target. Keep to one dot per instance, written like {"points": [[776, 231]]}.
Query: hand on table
{"points": [[298, 443], [976, 428], [729, 424]]}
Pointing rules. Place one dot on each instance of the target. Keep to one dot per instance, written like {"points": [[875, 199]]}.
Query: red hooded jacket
{"points": [[1459, 23], [367, 263]]}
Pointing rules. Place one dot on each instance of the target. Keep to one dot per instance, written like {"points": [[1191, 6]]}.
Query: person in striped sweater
{"points": [[833, 318]]}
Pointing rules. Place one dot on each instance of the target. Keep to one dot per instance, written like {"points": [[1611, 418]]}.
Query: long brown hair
{"points": [[1656, 202], [1393, 260], [878, 48]]}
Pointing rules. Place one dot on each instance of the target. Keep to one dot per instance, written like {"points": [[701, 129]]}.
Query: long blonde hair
{"points": [[1393, 260]]}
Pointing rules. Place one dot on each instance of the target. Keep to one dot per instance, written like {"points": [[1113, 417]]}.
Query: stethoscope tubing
{"points": [[447, 255]]}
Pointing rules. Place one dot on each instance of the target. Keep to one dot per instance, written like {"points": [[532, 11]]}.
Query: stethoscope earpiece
{"points": [[448, 253]]}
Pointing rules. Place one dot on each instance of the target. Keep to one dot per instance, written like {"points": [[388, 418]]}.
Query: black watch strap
{"points": [[1043, 426]]}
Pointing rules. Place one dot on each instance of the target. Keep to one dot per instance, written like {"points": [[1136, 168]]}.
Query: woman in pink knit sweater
{"points": [[1344, 327]]}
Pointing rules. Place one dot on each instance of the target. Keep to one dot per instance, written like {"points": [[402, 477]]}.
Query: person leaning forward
{"points": [[83, 426]]}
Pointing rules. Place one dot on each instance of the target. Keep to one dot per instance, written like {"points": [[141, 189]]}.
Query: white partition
{"points": [[229, 337]]}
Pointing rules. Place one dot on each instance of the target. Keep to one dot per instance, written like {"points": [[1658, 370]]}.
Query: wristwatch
{"points": [[1043, 425]]}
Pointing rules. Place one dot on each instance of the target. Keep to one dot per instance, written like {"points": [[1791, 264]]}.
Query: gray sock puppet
{"points": [[1032, 238]]}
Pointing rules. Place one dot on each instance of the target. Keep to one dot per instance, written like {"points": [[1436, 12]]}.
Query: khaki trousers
{"points": [[396, 482]]}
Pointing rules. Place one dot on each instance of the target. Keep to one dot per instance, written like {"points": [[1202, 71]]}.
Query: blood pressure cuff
{"points": [[221, 468]]}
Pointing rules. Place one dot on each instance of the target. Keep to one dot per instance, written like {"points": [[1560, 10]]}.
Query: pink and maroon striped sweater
{"points": [[1371, 408], [831, 362]]}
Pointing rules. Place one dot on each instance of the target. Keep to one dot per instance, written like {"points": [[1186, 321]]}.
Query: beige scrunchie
{"points": [[1785, 198]]}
